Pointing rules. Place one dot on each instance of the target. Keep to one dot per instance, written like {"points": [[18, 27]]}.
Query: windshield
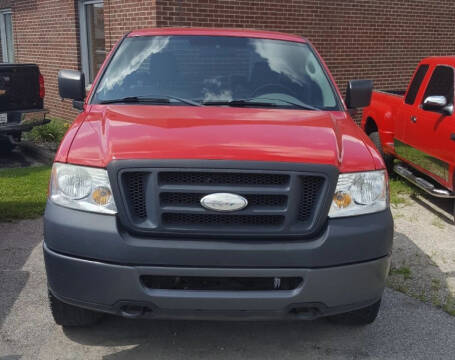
{"points": [[216, 70]]}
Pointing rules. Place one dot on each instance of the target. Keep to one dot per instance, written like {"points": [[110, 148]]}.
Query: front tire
{"points": [[71, 316], [388, 159], [363, 316]]}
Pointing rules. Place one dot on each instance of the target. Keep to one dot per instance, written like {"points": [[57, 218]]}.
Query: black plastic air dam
{"points": [[116, 289], [214, 283]]}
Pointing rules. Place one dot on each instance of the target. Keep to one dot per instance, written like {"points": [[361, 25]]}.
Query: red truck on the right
{"points": [[417, 127]]}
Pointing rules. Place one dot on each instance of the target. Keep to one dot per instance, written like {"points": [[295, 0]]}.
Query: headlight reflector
{"points": [[82, 188], [360, 193]]}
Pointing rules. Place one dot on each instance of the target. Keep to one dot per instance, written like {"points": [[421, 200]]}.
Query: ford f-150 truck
{"points": [[417, 127], [216, 174], [21, 102]]}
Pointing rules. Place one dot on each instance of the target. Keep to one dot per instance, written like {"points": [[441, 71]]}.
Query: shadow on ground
{"points": [[16, 244], [415, 273], [442, 208]]}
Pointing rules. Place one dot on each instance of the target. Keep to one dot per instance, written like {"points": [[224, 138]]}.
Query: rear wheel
{"points": [[388, 159], [6, 145], [71, 316], [363, 316]]}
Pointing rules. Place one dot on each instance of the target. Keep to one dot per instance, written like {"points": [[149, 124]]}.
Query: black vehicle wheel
{"points": [[71, 316], [363, 316], [6, 146], [388, 159]]}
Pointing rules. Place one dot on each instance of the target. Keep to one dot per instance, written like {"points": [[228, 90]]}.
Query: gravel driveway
{"points": [[406, 328]]}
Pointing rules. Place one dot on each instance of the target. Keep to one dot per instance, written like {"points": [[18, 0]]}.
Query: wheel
{"points": [[363, 316], [71, 316], [388, 159], [6, 146]]}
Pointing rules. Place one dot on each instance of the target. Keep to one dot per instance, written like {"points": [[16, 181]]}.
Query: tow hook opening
{"points": [[134, 311], [305, 312]]}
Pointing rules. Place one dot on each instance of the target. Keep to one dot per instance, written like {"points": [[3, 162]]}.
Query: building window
{"points": [[93, 51], [6, 36]]}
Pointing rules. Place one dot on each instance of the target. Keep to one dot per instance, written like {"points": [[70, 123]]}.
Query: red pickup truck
{"points": [[216, 174], [417, 127]]}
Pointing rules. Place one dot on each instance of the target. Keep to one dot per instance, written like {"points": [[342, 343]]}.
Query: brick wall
{"points": [[121, 16], [379, 40]]}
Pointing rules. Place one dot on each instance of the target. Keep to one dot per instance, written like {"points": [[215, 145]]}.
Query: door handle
{"points": [[452, 136], [414, 119]]}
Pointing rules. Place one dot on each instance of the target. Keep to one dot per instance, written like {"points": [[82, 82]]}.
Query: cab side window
{"points": [[441, 83], [415, 84]]}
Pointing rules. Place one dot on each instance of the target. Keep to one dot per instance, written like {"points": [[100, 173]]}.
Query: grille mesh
{"points": [[310, 189], [193, 199], [135, 187], [215, 178], [212, 219]]}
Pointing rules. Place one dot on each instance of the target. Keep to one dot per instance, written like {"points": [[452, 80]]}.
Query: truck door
{"points": [[406, 109], [430, 132]]}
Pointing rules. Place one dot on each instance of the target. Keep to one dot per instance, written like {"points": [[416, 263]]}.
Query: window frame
{"points": [[425, 68], [83, 37], [11, 58], [424, 93]]}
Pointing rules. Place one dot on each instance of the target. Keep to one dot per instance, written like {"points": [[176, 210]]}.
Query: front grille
{"points": [[210, 178], [310, 188], [167, 201], [213, 283], [214, 220], [135, 189], [194, 199]]}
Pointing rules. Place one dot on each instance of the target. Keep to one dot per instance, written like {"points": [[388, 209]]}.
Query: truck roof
{"points": [[437, 60], [218, 32]]}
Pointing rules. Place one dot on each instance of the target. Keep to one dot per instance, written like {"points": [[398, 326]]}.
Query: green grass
{"points": [[50, 133], [449, 306], [400, 190], [403, 270], [23, 192]]}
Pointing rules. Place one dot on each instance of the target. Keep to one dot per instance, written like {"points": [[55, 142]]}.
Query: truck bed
{"points": [[393, 92]]}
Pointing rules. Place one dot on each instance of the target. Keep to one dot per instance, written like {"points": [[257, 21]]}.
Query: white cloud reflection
{"points": [[287, 60], [126, 65]]}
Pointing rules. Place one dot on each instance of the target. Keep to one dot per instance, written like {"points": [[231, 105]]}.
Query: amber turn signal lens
{"points": [[101, 195], [342, 199]]}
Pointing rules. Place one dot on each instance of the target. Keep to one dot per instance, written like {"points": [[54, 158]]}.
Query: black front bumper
{"points": [[100, 237], [117, 289]]}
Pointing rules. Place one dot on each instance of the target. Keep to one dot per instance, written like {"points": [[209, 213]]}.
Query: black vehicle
{"points": [[21, 102]]}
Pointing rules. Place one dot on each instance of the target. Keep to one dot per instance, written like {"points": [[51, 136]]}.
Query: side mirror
{"points": [[358, 93], [71, 85], [437, 103]]}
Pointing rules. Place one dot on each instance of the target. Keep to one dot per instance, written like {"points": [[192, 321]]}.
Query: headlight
{"points": [[360, 193], [82, 188]]}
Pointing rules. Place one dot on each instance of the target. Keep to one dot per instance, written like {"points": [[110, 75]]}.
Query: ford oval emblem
{"points": [[224, 202]]}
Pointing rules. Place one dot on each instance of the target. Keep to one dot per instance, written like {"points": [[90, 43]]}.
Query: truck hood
{"points": [[219, 133]]}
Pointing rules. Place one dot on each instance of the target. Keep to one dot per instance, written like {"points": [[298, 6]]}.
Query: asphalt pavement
{"points": [[406, 328]]}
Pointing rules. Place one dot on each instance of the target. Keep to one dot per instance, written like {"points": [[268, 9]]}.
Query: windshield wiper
{"points": [[299, 104], [161, 99], [258, 102], [239, 102]]}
